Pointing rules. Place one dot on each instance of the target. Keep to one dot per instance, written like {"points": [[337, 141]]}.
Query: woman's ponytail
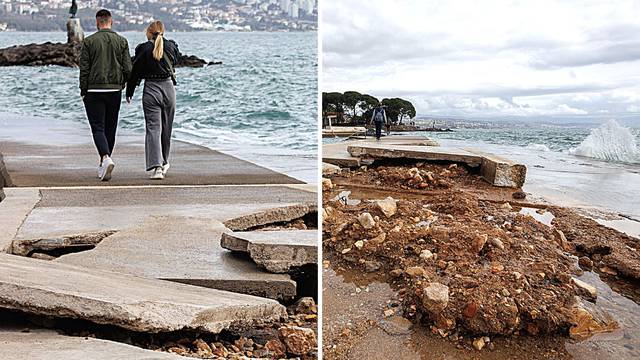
{"points": [[155, 32], [158, 47]]}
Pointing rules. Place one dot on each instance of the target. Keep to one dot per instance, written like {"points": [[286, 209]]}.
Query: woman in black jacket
{"points": [[154, 62]]}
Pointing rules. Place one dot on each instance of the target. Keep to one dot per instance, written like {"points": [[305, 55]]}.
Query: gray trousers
{"points": [[159, 105]]}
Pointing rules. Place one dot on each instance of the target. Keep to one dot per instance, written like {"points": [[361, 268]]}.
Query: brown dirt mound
{"points": [[464, 262]]}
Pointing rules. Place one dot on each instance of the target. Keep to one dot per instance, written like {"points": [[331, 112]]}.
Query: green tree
{"points": [[351, 100], [399, 109], [367, 104]]}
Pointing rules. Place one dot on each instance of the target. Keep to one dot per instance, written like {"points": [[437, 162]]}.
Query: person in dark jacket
{"points": [[379, 118], [154, 62], [105, 65]]}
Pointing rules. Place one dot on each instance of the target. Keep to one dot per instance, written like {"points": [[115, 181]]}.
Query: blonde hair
{"points": [[156, 29]]}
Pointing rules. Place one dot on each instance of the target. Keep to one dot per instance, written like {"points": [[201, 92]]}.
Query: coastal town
{"points": [[189, 15]]}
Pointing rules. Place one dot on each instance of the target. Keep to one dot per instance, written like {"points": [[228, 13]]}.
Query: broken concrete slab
{"points": [[71, 243], [435, 153], [330, 169], [31, 146], [336, 154], [13, 211], [77, 211], [138, 304], [43, 344], [494, 169], [185, 250], [276, 251], [501, 172], [271, 216]]}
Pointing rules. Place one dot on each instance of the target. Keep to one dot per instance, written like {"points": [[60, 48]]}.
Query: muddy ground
{"points": [[466, 264]]}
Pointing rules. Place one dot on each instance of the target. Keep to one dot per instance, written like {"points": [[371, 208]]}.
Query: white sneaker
{"points": [[165, 168], [100, 171], [107, 168], [157, 174]]}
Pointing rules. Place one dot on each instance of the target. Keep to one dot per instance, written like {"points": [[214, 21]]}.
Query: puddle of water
{"points": [[629, 227], [623, 343], [542, 216]]}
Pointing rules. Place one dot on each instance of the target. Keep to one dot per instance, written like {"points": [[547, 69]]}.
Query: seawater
{"points": [[259, 105]]}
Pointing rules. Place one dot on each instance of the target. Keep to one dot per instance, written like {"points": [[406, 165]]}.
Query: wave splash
{"points": [[610, 142]]}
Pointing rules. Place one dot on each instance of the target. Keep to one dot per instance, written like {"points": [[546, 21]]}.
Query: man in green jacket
{"points": [[105, 65]]}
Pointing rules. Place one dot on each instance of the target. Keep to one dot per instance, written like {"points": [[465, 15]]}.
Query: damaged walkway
{"points": [[128, 252]]}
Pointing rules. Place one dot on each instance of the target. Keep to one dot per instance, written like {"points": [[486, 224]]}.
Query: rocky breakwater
{"points": [[68, 54], [463, 257]]}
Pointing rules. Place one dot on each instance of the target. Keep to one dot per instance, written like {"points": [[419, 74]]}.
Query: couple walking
{"points": [[106, 69]]}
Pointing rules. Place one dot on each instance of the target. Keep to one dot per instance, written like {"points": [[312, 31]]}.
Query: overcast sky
{"points": [[488, 58]]}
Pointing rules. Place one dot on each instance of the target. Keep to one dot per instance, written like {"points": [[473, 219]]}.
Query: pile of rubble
{"points": [[464, 264]]}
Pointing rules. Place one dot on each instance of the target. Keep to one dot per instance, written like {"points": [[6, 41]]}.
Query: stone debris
{"points": [[330, 169], [326, 184], [366, 220], [276, 251], [138, 304], [387, 206], [25, 247], [435, 297], [475, 266], [590, 292], [298, 340]]}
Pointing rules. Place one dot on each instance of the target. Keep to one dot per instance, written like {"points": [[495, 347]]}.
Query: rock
{"points": [[426, 255], [506, 206], [435, 297], [495, 242], [589, 319], [389, 313], [519, 195], [387, 206], [584, 289], [330, 169], [276, 348], [359, 244], [478, 344], [396, 273], [479, 241], [42, 256], [561, 239], [585, 262], [305, 305], [202, 348], [366, 220], [298, 340], [372, 266], [326, 184], [379, 239], [67, 55], [415, 271]]}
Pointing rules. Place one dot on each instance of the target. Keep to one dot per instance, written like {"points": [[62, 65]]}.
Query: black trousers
{"points": [[378, 129], [102, 111]]}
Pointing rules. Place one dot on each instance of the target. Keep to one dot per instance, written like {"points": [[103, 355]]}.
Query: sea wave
{"points": [[609, 142], [538, 147]]}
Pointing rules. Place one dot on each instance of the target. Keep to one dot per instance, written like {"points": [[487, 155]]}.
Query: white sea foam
{"points": [[611, 142], [538, 147]]}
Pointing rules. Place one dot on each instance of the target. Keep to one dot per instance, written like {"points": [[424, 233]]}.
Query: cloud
{"points": [[487, 58]]}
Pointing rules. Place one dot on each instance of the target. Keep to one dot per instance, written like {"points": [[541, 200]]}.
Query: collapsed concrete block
{"points": [[134, 303], [276, 251]]}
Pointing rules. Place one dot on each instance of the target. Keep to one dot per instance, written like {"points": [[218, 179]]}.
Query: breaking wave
{"points": [[610, 142], [538, 147]]}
